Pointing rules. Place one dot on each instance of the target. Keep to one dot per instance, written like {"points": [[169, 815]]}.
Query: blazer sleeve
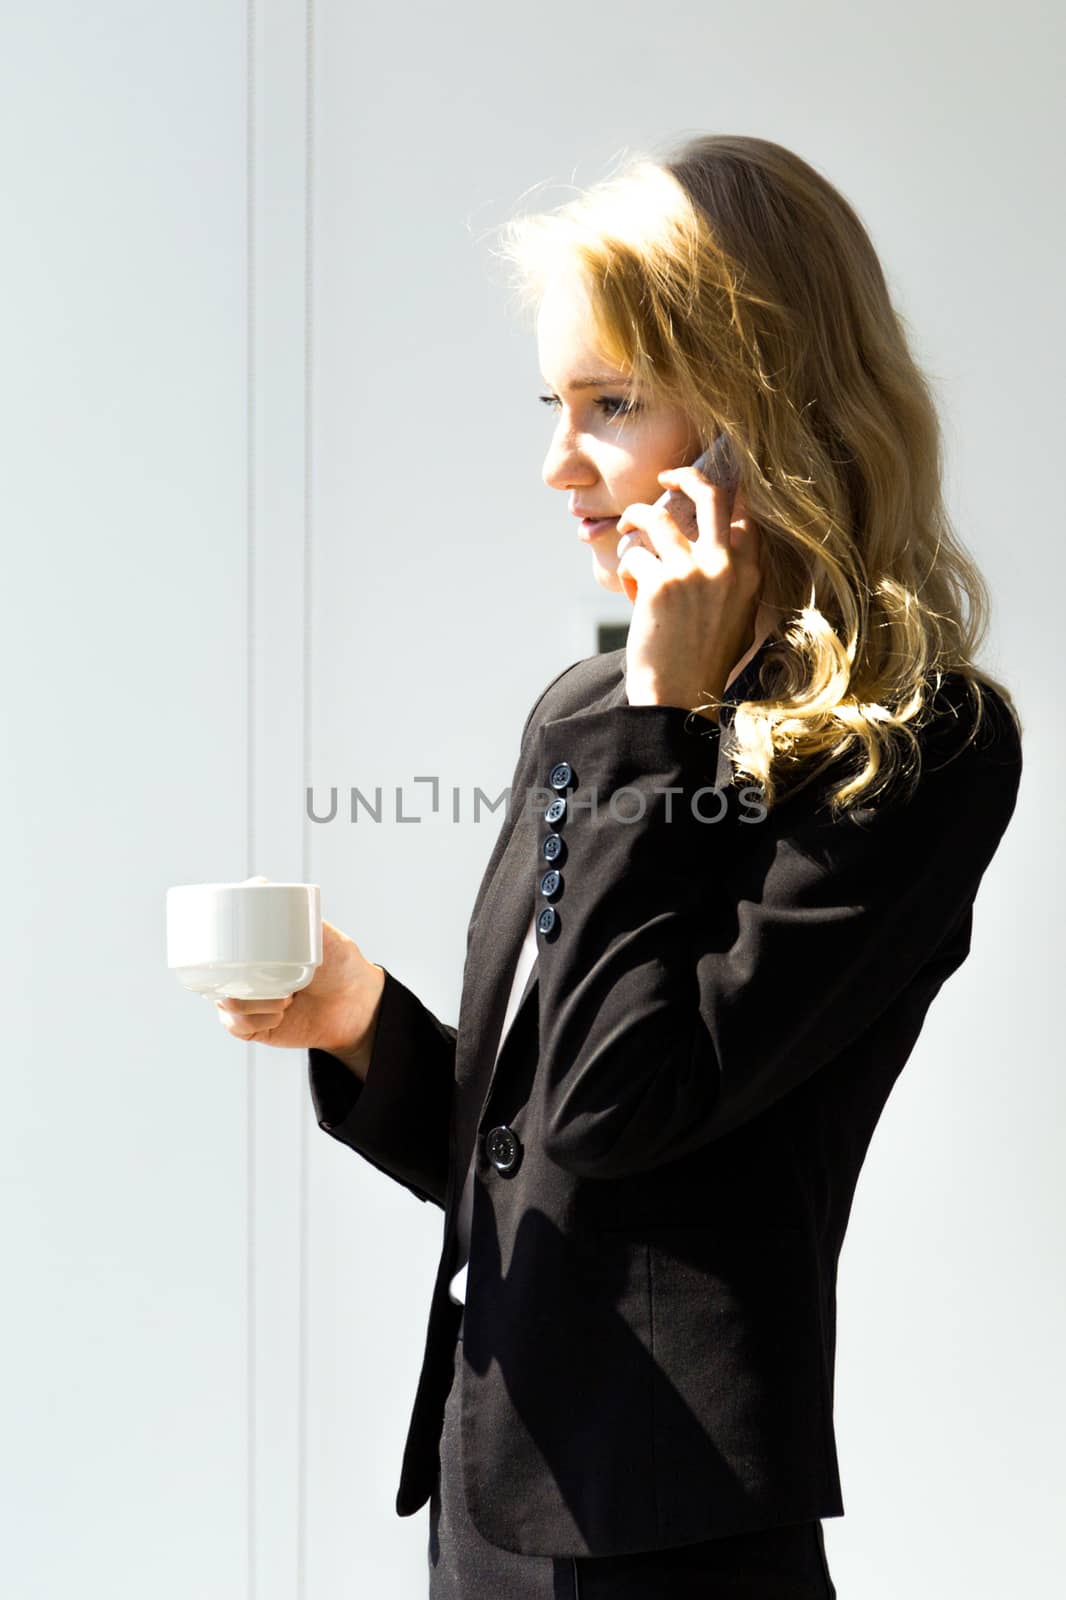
{"points": [[697, 971], [399, 1117]]}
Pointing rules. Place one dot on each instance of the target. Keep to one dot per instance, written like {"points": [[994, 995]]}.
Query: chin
{"points": [[607, 578]]}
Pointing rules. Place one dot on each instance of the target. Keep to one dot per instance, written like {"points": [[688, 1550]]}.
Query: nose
{"points": [[566, 466]]}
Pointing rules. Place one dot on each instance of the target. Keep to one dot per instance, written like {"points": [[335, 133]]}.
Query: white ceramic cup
{"points": [[254, 940]]}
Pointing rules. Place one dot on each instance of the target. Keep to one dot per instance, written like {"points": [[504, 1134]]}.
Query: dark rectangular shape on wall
{"points": [[611, 636]]}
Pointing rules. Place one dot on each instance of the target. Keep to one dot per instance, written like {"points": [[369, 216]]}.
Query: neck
{"points": [[766, 620]]}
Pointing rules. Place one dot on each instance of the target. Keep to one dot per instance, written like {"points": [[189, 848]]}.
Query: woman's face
{"points": [[605, 457]]}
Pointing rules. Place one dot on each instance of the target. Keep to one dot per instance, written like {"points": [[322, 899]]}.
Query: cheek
{"points": [[678, 444], [664, 446]]}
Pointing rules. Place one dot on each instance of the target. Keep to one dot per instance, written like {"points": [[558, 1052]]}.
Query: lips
{"points": [[594, 527]]}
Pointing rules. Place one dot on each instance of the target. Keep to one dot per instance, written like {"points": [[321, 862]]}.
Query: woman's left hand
{"points": [[694, 601]]}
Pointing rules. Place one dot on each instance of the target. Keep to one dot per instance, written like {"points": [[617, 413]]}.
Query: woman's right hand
{"points": [[337, 1011]]}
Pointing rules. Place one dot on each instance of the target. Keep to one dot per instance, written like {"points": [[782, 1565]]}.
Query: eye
{"points": [[618, 408], [611, 407]]}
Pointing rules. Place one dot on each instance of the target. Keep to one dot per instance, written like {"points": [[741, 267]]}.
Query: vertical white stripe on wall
{"points": [[305, 1120], [279, 534], [250, 1140]]}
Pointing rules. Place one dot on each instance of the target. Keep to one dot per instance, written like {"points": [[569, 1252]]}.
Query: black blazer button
{"points": [[501, 1147], [546, 919], [561, 775], [553, 847], [550, 882], [556, 811]]}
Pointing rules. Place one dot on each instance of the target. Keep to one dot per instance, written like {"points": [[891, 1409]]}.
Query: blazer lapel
{"points": [[506, 902]]}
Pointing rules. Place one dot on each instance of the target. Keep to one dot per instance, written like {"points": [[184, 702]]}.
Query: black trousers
{"points": [[785, 1563]]}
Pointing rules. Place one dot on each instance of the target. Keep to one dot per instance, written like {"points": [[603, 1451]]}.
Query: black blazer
{"points": [[718, 1013]]}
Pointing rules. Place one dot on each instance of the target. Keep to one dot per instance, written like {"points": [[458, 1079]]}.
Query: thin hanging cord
{"points": [[250, 861], [308, 577]]}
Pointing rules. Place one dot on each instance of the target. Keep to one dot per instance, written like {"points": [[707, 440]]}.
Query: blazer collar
{"points": [[745, 686]]}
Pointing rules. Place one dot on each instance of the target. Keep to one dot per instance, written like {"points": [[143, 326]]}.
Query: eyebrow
{"points": [[595, 383]]}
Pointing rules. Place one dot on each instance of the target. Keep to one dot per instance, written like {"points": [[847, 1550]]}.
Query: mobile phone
{"points": [[717, 465]]}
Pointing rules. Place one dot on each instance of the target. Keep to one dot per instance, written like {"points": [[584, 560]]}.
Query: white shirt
{"points": [[526, 959]]}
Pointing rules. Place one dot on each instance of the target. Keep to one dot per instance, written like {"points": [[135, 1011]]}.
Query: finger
{"points": [[739, 509], [745, 535], [634, 517], [689, 500], [241, 1022], [636, 565], [713, 504], [745, 542], [656, 531], [248, 1028], [633, 539], [229, 1003]]}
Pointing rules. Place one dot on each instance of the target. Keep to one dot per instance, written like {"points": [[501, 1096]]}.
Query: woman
{"points": [[745, 861]]}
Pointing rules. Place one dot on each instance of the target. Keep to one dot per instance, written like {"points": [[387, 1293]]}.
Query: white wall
{"points": [[271, 499]]}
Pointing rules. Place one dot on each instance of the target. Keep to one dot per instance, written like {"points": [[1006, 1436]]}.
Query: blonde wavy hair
{"points": [[732, 280]]}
